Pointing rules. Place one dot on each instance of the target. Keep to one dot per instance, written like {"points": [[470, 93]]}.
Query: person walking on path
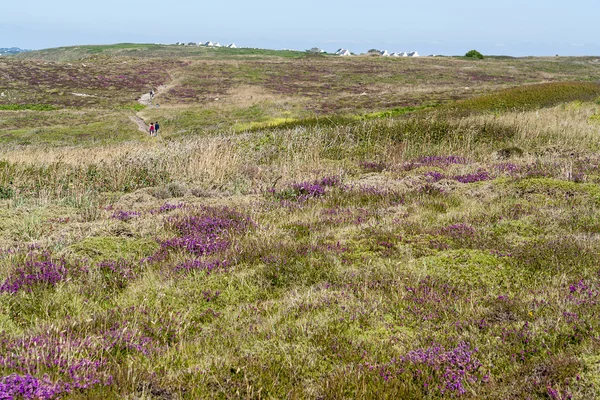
{"points": [[156, 127], [152, 129], [151, 94]]}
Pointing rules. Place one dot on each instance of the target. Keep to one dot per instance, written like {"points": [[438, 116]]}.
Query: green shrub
{"points": [[474, 54], [6, 192]]}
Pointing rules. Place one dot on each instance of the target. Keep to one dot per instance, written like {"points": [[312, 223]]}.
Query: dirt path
{"points": [[140, 123], [150, 102], [147, 101], [145, 98]]}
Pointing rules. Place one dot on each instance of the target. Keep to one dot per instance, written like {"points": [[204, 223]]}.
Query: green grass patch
{"points": [[133, 106], [33, 107], [469, 267], [528, 97], [395, 112], [552, 187], [115, 248]]}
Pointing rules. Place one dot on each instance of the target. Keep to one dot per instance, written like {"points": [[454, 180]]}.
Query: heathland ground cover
{"points": [[303, 227]]}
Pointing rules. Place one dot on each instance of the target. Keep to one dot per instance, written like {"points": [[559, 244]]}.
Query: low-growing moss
{"points": [[468, 267], [590, 377], [552, 187], [520, 228], [114, 248]]}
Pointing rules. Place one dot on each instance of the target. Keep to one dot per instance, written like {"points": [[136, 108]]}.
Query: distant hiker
{"points": [[151, 94], [152, 130], [156, 127]]}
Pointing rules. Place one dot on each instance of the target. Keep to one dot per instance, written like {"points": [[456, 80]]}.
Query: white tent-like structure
{"points": [[384, 53], [217, 44], [413, 54], [395, 55], [403, 54], [344, 53], [232, 46], [209, 44]]}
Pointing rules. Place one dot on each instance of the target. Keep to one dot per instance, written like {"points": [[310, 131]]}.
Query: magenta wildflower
{"points": [[125, 215], [36, 270]]}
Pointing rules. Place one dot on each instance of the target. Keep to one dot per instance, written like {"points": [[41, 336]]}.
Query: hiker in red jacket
{"points": [[152, 129]]}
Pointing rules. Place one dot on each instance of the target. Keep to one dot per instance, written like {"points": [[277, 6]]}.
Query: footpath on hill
{"points": [[140, 123], [146, 100]]}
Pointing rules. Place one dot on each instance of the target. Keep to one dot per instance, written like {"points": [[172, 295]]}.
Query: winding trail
{"points": [[140, 123], [148, 102]]}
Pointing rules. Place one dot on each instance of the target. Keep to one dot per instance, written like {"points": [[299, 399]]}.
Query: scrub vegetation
{"points": [[302, 227]]}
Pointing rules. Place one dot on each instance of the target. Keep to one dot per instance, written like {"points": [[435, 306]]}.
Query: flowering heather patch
{"points": [[66, 360], [60, 354], [458, 231], [305, 190], [431, 300], [121, 82], [206, 232], [126, 338], [125, 215], [373, 166], [523, 345], [431, 190], [439, 370], [329, 181], [211, 222], [37, 270], [199, 245], [118, 273], [167, 207], [434, 176], [508, 168], [584, 293], [28, 387], [556, 394], [478, 176]]}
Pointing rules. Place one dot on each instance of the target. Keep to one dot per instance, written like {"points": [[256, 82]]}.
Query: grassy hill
{"points": [[75, 53], [302, 227]]}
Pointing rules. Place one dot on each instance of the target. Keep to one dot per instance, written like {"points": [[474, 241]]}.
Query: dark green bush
{"points": [[474, 54], [6, 192]]}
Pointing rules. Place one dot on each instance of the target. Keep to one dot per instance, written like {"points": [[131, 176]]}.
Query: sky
{"points": [[507, 27]]}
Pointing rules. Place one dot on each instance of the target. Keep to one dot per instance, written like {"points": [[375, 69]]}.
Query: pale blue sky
{"points": [[512, 27]]}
